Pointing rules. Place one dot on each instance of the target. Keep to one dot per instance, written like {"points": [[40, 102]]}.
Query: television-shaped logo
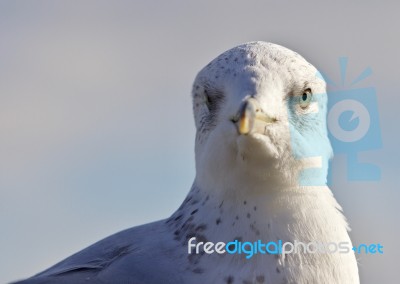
{"points": [[353, 127], [353, 123]]}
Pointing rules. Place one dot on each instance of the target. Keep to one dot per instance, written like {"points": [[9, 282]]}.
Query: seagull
{"points": [[261, 155]]}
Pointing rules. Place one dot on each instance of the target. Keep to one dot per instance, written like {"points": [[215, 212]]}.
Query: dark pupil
{"points": [[304, 97]]}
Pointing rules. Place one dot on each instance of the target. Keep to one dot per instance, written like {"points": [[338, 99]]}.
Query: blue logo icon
{"points": [[353, 127], [353, 123]]}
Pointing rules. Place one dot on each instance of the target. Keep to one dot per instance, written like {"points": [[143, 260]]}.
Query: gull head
{"points": [[260, 115]]}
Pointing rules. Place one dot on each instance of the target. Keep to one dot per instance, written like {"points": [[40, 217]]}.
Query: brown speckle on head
{"points": [[178, 217], [194, 258], [198, 270], [205, 200], [229, 279], [201, 238], [201, 227], [260, 278]]}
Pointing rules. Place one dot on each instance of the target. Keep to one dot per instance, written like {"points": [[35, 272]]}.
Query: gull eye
{"points": [[213, 100], [305, 98], [208, 101]]}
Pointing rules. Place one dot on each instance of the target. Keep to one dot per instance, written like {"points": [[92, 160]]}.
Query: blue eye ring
{"points": [[305, 98]]}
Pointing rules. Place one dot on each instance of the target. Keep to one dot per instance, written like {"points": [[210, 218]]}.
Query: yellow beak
{"points": [[250, 114]]}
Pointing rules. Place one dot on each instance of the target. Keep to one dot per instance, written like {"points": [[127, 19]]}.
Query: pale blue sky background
{"points": [[96, 129]]}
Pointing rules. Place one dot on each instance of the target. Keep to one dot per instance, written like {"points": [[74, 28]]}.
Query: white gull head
{"points": [[260, 114]]}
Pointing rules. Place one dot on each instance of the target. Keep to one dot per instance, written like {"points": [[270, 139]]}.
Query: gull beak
{"points": [[251, 117]]}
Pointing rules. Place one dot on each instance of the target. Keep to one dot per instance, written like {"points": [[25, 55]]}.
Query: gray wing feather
{"points": [[125, 257]]}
